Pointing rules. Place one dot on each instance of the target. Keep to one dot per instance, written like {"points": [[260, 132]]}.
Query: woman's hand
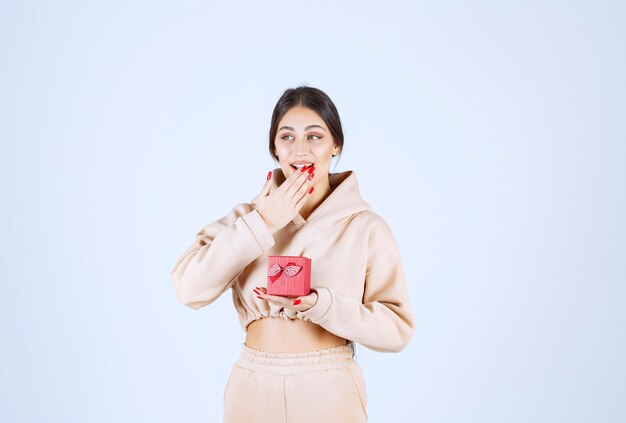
{"points": [[296, 304], [280, 207]]}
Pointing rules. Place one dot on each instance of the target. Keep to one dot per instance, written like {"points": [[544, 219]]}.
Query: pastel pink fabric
{"points": [[325, 385]]}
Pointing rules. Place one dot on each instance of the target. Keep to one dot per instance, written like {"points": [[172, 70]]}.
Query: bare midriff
{"points": [[276, 334]]}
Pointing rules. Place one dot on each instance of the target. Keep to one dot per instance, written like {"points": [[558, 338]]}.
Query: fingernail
{"points": [[312, 168], [259, 297], [269, 175], [303, 168], [311, 176], [311, 189], [296, 302], [256, 292]]}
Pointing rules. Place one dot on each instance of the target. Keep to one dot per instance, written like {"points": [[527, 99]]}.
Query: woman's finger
{"points": [[301, 303], [268, 183], [301, 177], [304, 193], [277, 299]]}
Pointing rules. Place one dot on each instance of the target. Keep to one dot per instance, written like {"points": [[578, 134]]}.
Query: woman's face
{"points": [[304, 138]]}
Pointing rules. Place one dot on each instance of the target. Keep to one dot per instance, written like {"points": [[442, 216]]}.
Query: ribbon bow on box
{"points": [[290, 270]]}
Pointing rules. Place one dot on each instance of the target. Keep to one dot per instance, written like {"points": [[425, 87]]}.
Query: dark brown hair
{"points": [[314, 99]]}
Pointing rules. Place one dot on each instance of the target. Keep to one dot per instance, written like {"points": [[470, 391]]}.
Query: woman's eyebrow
{"points": [[306, 128]]}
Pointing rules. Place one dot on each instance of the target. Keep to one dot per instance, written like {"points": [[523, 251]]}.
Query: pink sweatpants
{"points": [[325, 385]]}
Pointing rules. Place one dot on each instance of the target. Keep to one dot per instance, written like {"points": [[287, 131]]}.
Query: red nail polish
{"points": [[311, 189], [303, 168], [311, 176], [256, 292], [312, 168], [296, 302], [269, 175], [259, 297]]}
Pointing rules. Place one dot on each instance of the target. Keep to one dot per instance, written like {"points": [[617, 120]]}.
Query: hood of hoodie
{"points": [[338, 207]]}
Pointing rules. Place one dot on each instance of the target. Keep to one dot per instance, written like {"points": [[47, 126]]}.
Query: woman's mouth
{"points": [[298, 166]]}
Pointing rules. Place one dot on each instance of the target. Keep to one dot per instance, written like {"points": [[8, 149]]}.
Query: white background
{"points": [[489, 135]]}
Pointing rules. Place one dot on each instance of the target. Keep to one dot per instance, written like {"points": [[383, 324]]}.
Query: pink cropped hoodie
{"points": [[356, 268]]}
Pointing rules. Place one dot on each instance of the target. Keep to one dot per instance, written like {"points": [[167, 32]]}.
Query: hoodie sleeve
{"points": [[221, 250], [383, 320]]}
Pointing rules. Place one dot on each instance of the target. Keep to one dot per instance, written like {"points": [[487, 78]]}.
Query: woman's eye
{"points": [[285, 136], [317, 137]]}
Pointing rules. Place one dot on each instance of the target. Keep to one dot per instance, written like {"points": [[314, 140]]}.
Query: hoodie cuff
{"points": [[321, 307], [259, 229]]}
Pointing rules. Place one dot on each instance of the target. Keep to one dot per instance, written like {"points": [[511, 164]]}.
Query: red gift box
{"points": [[288, 275]]}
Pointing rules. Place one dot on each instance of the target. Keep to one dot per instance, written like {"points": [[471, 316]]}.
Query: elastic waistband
{"points": [[295, 362]]}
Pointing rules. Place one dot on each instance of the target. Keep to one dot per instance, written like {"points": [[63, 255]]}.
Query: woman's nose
{"points": [[301, 147]]}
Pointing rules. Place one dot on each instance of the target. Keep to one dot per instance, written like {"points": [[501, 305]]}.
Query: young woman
{"points": [[297, 363]]}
